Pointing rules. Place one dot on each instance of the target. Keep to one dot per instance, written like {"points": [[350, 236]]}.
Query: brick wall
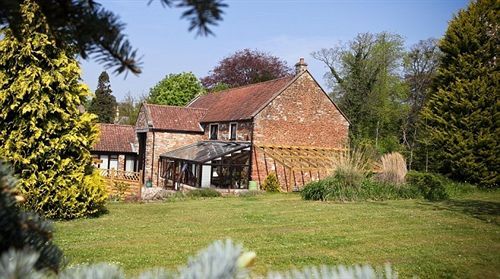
{"points": [[302, 115], [243, 130], [161, 142]]}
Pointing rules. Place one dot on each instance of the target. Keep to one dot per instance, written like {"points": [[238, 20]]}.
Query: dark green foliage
{"points": [[203, 193], [335, 189], [271, 183], [103, 104], [96, 32], [175, 90], [24, 230], [316, 190], [461, 118], [430, 185]]}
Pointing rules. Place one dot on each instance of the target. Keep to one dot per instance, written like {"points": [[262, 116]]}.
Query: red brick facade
{"points": [[302, 115]]}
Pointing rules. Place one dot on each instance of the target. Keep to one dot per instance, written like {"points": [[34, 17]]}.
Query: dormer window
{"points": [[214, 131], [232, 131]]}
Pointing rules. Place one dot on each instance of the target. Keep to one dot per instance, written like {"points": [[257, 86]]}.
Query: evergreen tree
{"points": [[24, 230], [461, 117], [42, 132], [103, 104]]}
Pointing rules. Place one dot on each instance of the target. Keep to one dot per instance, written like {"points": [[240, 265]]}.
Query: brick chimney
{"points": [[300, 66]]}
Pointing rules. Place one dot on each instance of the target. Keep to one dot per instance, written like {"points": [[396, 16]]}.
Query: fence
{"points": [[124, 183]]}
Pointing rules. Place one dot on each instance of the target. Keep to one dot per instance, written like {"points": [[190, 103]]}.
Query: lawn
{"points": [[457, 238]]}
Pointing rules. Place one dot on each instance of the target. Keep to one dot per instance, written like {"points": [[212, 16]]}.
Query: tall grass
{"points": [[352, 166], [393, 168]]}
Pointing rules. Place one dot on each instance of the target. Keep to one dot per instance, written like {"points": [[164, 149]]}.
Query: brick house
{"points": [[116, 148], [288, 126]]}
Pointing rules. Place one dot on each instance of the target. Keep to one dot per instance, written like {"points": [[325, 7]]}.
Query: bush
{"points": [[24, 230], [430, 185], [121, 189], [271, 183], [393, 168], [203, 193], [334, 189]]}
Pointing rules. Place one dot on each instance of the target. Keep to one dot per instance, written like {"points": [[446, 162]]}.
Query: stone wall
{"points": [[302, 115], [243, 130], [160, 142]]}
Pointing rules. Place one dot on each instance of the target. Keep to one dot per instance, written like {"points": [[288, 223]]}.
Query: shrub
{"points": [[271, 183], [430, 185], [393, 168], [334, 189], [352, 166], [203, 193], [316, 191], [24, 230]]}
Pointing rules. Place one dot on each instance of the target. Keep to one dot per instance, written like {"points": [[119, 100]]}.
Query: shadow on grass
{"points": [[487, 211]]}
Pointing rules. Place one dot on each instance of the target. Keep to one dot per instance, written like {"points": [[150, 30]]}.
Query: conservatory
{"points": [[207, 164]]}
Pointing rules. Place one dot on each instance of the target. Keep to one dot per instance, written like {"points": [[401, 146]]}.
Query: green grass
{"points": [[456, 238]]}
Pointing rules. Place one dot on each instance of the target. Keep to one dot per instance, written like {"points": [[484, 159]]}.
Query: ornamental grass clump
{"points": [[393, 169], [352, 166]]}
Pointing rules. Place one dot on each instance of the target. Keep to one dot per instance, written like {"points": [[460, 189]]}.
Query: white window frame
{"points": [[210, 131], [235, 130]]}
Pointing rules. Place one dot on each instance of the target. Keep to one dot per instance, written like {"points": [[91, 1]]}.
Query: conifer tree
{"points": [[103, 104], [461, 117], [43, 135]]}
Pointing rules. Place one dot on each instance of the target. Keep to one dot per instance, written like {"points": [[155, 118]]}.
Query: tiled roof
{"points": [[116, 138], [239, 103], [175, 118]]}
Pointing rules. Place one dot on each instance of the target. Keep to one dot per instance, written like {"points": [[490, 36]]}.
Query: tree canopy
{"points": [[366, 85], [43, 134], [103, 104], [92, 31], [246, 67], [461, 117], [175, 90]]}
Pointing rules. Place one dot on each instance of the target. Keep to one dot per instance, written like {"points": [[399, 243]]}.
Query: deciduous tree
{"points": [[461, 117], [366, 85], [246, 67], [175, 90], [420, 67], [103, 104], [43, 135]]}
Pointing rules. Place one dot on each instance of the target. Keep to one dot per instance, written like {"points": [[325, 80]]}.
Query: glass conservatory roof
{"points": [[205, 151]]}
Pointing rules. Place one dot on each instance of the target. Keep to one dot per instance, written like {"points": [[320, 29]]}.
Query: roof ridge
{"points": [[114, 124], [169, 106], [248, 85]]}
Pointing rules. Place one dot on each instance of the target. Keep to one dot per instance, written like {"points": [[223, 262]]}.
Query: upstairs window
{"points": [[232, 131], [214, 131]]}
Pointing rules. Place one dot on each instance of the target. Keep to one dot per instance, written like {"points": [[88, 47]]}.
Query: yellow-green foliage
{"points": [[42, 132], [271, 183]]}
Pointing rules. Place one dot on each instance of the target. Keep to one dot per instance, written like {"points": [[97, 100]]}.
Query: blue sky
{"points": [[288, 29]]}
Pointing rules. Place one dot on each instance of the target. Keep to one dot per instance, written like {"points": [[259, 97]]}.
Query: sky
{"points": [[288, 29]]}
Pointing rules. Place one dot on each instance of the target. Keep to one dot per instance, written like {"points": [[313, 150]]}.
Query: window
{"points": [[129, 163], [104, 162], [113, 162], [214, 131], [232, 131]]}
